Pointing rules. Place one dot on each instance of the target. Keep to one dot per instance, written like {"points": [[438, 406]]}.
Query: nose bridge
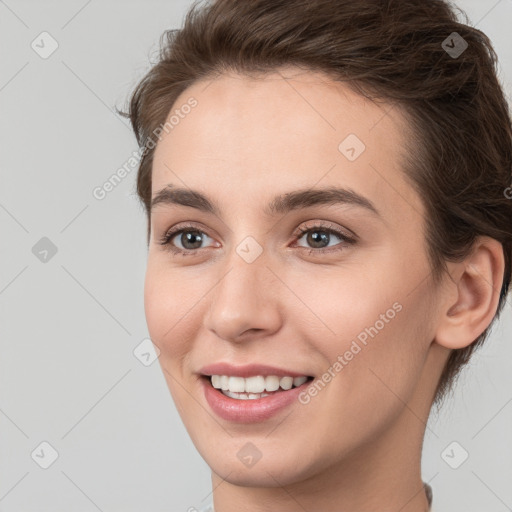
{"points": [[244, 297]]}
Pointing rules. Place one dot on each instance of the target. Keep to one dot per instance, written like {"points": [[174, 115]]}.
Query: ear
{"points": [[472, 295]]}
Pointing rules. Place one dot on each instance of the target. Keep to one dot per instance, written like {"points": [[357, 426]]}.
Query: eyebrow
{"points": [[281, 204]]}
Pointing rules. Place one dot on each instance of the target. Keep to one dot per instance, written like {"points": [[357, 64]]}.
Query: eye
{"points": [[188, 239], [319, 237]]}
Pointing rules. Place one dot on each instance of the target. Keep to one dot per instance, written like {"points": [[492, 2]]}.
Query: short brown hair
{"points": [[460, 152]]}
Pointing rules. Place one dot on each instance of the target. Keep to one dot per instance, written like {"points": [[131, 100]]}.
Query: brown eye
{"points": [[184, 239], [319, 237], [189, 239]]}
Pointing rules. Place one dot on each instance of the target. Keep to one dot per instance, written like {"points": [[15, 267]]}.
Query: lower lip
{"points": [[252, 410]]}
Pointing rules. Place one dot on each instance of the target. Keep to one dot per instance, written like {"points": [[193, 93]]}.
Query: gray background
{"points": [[69, 325]]}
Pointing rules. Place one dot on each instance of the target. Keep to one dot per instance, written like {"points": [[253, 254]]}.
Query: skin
{"points": [[356, 446]]}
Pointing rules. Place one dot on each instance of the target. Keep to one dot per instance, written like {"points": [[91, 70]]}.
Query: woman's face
{"points": [[276, 271]]}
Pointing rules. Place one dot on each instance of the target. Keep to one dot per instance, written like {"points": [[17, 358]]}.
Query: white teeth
{"points": [[272, 383], [286, 382], [236, 384], [255, 385], [298, 381]]}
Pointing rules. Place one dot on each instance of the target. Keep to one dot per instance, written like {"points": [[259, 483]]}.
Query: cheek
{"points": [[374, 324], [156, 302], [166, 303], [378, 373], [391, 345], [169, 319], [339, 305]]}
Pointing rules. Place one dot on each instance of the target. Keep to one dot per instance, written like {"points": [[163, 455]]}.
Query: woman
{"points": [[329, 235]]}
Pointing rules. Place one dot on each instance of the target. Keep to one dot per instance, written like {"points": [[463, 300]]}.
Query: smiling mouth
{"points": [[255, 387]]}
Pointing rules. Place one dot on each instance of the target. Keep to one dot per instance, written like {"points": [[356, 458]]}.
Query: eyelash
{"points": [[345, 240]]}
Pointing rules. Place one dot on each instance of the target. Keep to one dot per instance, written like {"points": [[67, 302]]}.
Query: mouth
{"points": [[254, 387], [251, 393], [252, 399]]}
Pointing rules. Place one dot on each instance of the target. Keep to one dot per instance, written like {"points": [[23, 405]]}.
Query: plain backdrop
{"points": [[71, 286]]}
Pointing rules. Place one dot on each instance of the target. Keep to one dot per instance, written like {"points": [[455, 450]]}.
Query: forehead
{"points": [[289, 129]]}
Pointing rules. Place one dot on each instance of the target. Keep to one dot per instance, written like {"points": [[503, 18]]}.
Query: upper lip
{"points": [[248, 370]]}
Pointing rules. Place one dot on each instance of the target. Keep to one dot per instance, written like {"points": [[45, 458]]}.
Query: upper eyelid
{"points": [[312, 224], [347, 233]]}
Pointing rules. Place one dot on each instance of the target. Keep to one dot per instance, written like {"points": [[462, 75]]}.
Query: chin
{"points": [[276, 469]]}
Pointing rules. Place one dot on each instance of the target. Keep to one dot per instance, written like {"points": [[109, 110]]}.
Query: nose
{"points": [[245, 301]]}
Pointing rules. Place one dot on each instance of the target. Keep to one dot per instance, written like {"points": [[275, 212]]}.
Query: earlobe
{"points": [[473, 295]]}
